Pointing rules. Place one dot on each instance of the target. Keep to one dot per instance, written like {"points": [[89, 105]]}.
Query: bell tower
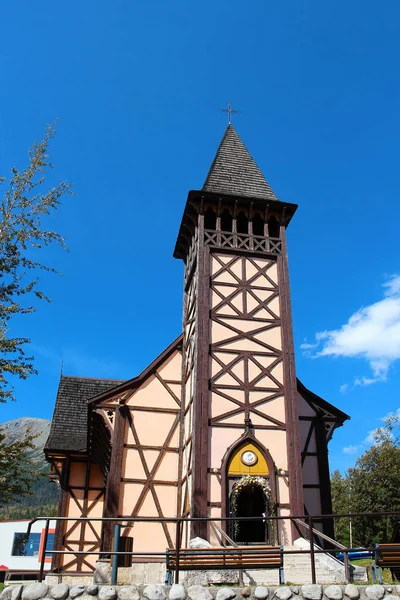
{"points": [[239, 399]]}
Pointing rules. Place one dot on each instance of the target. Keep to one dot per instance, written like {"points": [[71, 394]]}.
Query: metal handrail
{"points": [[305, 521]]}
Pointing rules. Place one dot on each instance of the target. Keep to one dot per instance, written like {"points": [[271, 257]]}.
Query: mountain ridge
{"points": [[44, 497]]}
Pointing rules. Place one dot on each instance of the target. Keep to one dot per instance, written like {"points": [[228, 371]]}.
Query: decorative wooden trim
{"points": [[149, 483], [133, 384], [240, 426], [153, 409], [246, 437], [111, 504], [296, 498], [182, 447], [324, 478], [158, 448], [154, 482], [201, 405], [307, 443], [61, 511], [166, 386]]}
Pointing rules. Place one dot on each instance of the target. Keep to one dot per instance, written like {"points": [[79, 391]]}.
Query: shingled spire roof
{"points": [[234, 171]]}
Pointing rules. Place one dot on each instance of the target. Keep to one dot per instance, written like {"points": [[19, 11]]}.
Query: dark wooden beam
{"points": [[296, 497], [111, 504]]}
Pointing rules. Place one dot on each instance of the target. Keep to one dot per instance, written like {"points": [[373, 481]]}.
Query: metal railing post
{"points": [[43, 557], [177, 548], [312, 553], [114, 571], [346, 566]]}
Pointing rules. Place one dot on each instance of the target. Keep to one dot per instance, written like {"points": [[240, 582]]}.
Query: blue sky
{"points": [[137, 89]]}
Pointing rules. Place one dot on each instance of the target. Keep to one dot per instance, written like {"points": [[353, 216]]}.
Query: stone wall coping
{"points": [[63, 591]]}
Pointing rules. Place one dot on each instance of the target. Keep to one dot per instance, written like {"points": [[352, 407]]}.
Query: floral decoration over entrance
{"points": [[252, 496]]}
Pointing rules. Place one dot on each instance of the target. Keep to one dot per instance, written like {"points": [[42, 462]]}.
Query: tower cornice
{"points": [[198, 199]]}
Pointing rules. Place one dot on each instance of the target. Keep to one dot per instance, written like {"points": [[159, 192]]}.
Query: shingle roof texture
{"points": [[234, 171], [69, 425]]}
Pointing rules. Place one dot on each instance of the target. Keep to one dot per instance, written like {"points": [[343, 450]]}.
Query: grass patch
{"points": [[366, 562]]}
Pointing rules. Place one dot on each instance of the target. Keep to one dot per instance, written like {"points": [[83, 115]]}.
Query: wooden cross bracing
{"points": [[243, 292]]}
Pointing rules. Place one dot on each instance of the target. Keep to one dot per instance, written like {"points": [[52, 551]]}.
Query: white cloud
{"points": [[366, 380], [370, 438], [372, 333], [352, 449], [395, 413], [343, 388]]}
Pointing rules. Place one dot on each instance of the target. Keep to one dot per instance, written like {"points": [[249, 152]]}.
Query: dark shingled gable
{"points": [[69, 426], [234, 171]]}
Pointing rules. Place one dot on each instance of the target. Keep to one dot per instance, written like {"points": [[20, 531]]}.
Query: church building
{"points": [[218, 425]]}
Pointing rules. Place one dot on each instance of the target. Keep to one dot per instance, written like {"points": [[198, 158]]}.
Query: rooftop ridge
{"points": [[234, 171], [91, 378]]}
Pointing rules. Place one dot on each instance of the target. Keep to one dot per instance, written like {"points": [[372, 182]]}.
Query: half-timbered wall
{"points": [[83, 497], [309, 458], [316, 427], [150, 460], [189, 378], [246, 364], [150, 455]]}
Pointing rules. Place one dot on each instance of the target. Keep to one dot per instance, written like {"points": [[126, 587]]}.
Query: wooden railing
{"points": [[242, 241]]}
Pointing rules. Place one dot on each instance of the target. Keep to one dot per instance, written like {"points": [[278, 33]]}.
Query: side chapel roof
{"points": [[68, 431], [234, 172], [331, 415], [69, 427]]}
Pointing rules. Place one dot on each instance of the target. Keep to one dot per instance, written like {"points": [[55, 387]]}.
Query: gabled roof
{"points": [[234, 171], [332, 417], [68, 431], [132, 384], [327, 410], [69, 427]]}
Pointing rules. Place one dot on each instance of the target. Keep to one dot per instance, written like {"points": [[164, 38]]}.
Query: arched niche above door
{"points": [[248, 459]]}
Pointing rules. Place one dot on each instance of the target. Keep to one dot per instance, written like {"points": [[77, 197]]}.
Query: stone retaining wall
{"points": [[63, 591]]}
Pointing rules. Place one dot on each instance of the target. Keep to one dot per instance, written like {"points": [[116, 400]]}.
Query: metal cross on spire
{"points": [[229, 110]]}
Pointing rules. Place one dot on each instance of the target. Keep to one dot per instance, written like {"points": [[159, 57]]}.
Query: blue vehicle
{"points": [[356, 555]]}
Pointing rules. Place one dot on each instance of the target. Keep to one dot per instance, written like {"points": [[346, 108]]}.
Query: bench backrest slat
{"points": [[388, 555]]}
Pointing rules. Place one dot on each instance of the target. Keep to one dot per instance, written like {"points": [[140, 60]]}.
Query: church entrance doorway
{"points": [[250, 493], [250, 501]]}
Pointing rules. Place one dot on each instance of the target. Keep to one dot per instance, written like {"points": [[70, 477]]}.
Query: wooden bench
{"points": [[239, 557], [387, 556], [14, 576]]}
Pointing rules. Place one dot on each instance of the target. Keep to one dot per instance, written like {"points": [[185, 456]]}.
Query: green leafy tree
{"points": [[24, 207], [375, 484], [341, 505], [25, 204], [372, 485]]}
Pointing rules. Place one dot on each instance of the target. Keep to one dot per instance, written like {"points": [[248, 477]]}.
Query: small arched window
{"points": [[258, 224], [242, 223], [273, 227], [226, 220], [210, 219]]}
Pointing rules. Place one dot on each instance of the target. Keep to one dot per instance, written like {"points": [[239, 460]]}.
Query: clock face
{"points": [[249, 458]]}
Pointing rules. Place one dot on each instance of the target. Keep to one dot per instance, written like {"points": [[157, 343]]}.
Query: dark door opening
{"points": [[250, 502]]}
